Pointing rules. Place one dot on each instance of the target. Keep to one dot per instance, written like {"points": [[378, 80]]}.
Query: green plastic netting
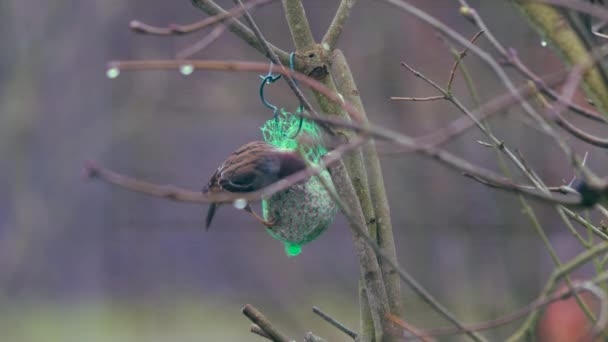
{"points": [[304, 210]]}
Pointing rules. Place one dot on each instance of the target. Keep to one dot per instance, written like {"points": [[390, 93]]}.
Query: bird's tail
{"points": [[210, 213]]}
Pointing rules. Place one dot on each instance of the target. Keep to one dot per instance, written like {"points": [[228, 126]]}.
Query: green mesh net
{"points": [[283, 133], [303, 211]]}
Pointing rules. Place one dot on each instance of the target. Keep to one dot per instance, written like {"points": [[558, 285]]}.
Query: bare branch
{"points": [[174, 29], [261, 321], [442, 156], [358, 226], [276, 60], [211, 8], [511, 56], [416, 334], [459, 58], [581, 6], [330, 40], [94, 171], [560, 272], [417, 99], [335, 323], [579, 133], [258, 331], [310, 337], [203, 43], [539, 303], [298, 24]]}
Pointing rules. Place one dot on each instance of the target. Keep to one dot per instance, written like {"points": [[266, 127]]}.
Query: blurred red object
{"points": [[565, 321]]}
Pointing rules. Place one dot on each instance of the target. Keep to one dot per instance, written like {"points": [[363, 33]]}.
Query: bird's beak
{"points": [[210, 213]]}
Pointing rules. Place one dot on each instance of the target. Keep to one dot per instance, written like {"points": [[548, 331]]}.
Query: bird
{"points": [[251, 167]]}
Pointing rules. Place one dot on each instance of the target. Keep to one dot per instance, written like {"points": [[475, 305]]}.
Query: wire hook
{"points": [[267, 79], [270, 78]]}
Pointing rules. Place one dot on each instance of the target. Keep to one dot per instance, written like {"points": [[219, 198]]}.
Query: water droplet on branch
{"points": [[240, 203], [186, 69], [112, 72]]}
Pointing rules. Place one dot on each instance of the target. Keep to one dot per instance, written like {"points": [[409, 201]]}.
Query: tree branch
{"points": [[551, 24], [370, 272], [335, 323], [430, 151], [348, 88], [261, 321], [267, 48], [362, 236], [175, 29], [511, 56], [330, 40], [211, 8], [298, 24]]}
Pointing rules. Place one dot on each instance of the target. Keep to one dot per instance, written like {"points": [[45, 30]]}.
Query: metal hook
{"points": [[267, 79], [301, 107], [270, 78]]}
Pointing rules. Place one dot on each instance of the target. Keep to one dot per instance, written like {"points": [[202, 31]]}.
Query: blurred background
{"points": [[83, 261]]}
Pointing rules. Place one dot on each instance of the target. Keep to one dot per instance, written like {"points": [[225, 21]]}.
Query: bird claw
{"points": [[268, 224]]}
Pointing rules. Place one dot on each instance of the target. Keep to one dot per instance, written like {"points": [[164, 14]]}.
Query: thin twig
{"points": [[538, 303], [202, 44], [421, 99], [521, 164], [335, 322], [275, 59], [498, 70], [211, 8], [174, 29], [310, 337], [258, 331], [557, 274], [498, 143], [459, 58], [601, 233], [416, 334], [457, 127], [511, 57], [94, 171], [579, 133], [554, 111]]}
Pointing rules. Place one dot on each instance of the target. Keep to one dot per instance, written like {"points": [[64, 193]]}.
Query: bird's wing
{"points": [[250, 174]]}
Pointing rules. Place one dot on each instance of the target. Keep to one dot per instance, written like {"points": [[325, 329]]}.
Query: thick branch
{"points": [[298, 24], [261, 321], [347, 87], [330, 40], [368, 262]]}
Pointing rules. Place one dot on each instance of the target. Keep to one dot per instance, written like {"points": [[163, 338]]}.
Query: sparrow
{"points": [[250, 168]]}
